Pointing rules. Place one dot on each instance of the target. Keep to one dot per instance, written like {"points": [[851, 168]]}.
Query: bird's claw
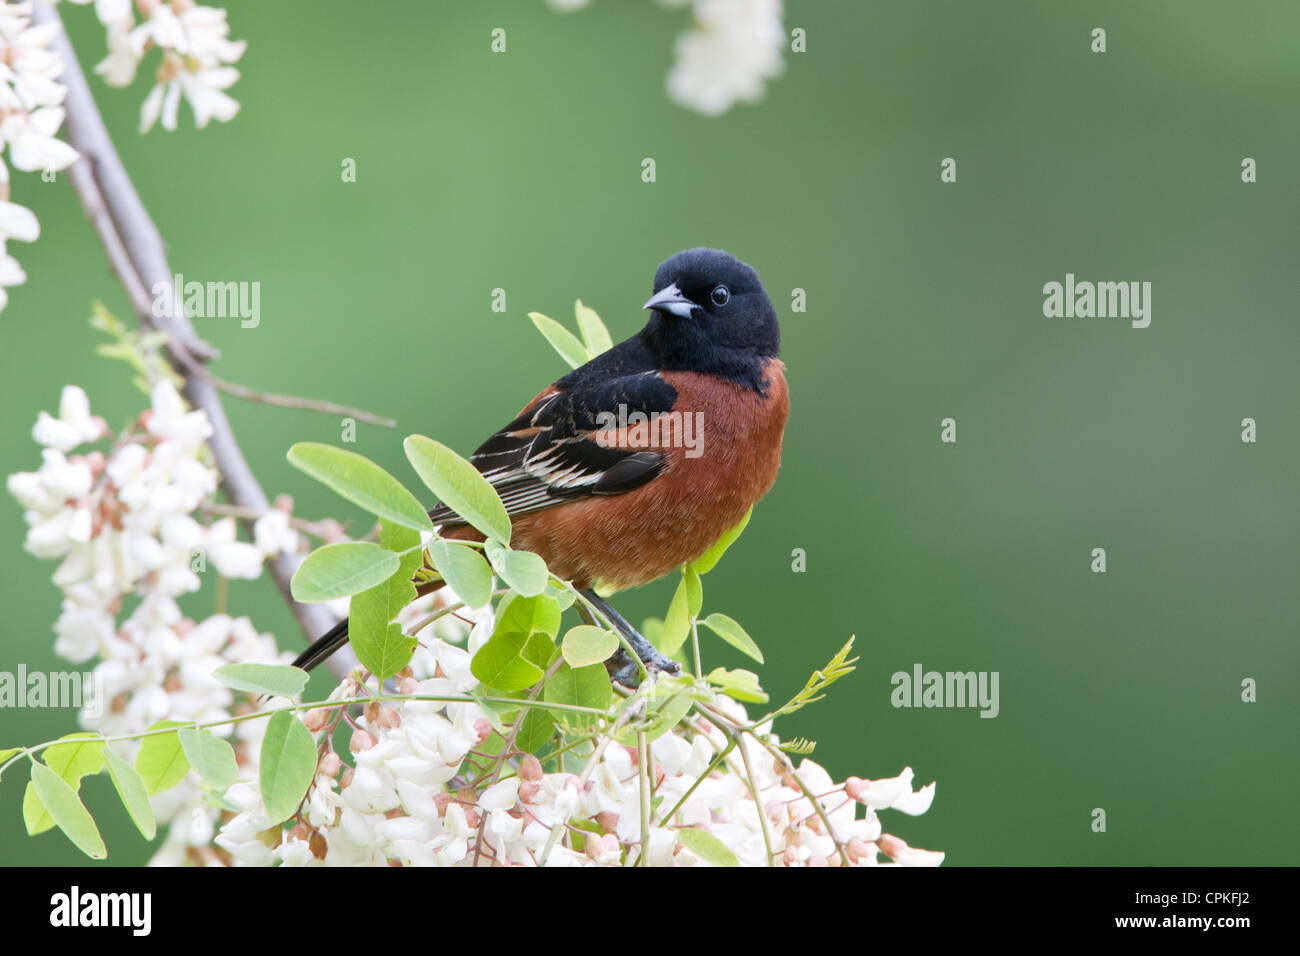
{"points": [[626, 671]]}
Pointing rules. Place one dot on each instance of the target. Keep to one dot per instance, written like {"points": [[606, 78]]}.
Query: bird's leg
{"points": [[622, 669]]}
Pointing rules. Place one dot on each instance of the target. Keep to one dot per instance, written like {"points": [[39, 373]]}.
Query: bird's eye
{"points": [[720, 295]]}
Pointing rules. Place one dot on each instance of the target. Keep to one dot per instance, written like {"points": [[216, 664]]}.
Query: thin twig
{"points": [[326, 530], [293, 401]]}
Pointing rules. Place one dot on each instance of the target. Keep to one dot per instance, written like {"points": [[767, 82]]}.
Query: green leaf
{"points": [[562, 340], [211, 756], [540, 649], [694, 591], [564, 596], [585, 644], [663, 717], [705, 562], [522, 570], [535, 730], [669, 715], [731, 632], [707, 847], [341, 570], [67, 810], [462, 567], [499, 663], [740, 684], [287, 765], [459, 486], [529, 615], [677, 623], [161, 761], [134, 794], [593, 330], [377, 639], [82, 754], [362, 482], [273, 680], [581, 687], [6, 754]]}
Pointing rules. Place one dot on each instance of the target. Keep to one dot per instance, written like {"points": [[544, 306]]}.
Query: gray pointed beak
{"points": [[670, 299]]}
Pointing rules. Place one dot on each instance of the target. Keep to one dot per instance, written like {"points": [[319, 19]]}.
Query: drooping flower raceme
{"points": [[123, 525], [194, 64], [730, 52], [406, 794], [428, 779]]}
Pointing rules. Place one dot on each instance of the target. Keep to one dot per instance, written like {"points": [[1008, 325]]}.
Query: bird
{"points": [[640, 460]]}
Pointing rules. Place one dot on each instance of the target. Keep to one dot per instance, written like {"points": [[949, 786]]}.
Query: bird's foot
{"points": [[626, 671], [623, 668]]}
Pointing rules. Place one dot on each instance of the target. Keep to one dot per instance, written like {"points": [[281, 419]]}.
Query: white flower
{"points": [[272, 534], [732, 49], [195, 64], [171, 418], [32, 145], [16, 222], [75, 425], [234, 559], [119, 67]]}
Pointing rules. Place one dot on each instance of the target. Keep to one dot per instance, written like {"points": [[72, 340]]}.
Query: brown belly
{"points": [[621, 541]]}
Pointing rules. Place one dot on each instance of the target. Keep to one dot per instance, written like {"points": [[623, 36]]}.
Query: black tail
{"points": [[325, 645]]}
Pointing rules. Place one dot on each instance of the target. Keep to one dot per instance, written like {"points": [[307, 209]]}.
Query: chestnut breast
{"points": [[718, 464]]}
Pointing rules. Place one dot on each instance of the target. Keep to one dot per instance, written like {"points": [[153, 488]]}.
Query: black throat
{"points": [[679, 346]]}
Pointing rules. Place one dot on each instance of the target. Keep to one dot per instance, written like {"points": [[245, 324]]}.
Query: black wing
{"points": [[549, 454]]}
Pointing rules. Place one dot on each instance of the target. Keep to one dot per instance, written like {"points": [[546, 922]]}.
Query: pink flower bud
{"points": [[316, 719], [483, 727], [530, 768], [860, 851], [856, 788], [361, 740], [329, 764], [891, 846]]}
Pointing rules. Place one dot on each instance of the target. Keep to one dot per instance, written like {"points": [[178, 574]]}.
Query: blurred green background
{"points": [[522, 171]]}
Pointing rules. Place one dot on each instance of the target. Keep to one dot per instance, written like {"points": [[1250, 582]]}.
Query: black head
{"points": [[711, 315]]}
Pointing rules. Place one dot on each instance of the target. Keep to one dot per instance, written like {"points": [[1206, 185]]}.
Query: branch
{"points": [[136, 253]]}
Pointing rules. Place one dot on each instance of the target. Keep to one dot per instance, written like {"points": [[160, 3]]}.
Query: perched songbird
{"points": [[640, 460]]}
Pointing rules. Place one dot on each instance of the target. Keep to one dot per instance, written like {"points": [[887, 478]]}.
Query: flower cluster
{"points": [[194, 65], [30, 114], [732, 49], [196, 53], [410, 796], [730, 52], [123, 525]]}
